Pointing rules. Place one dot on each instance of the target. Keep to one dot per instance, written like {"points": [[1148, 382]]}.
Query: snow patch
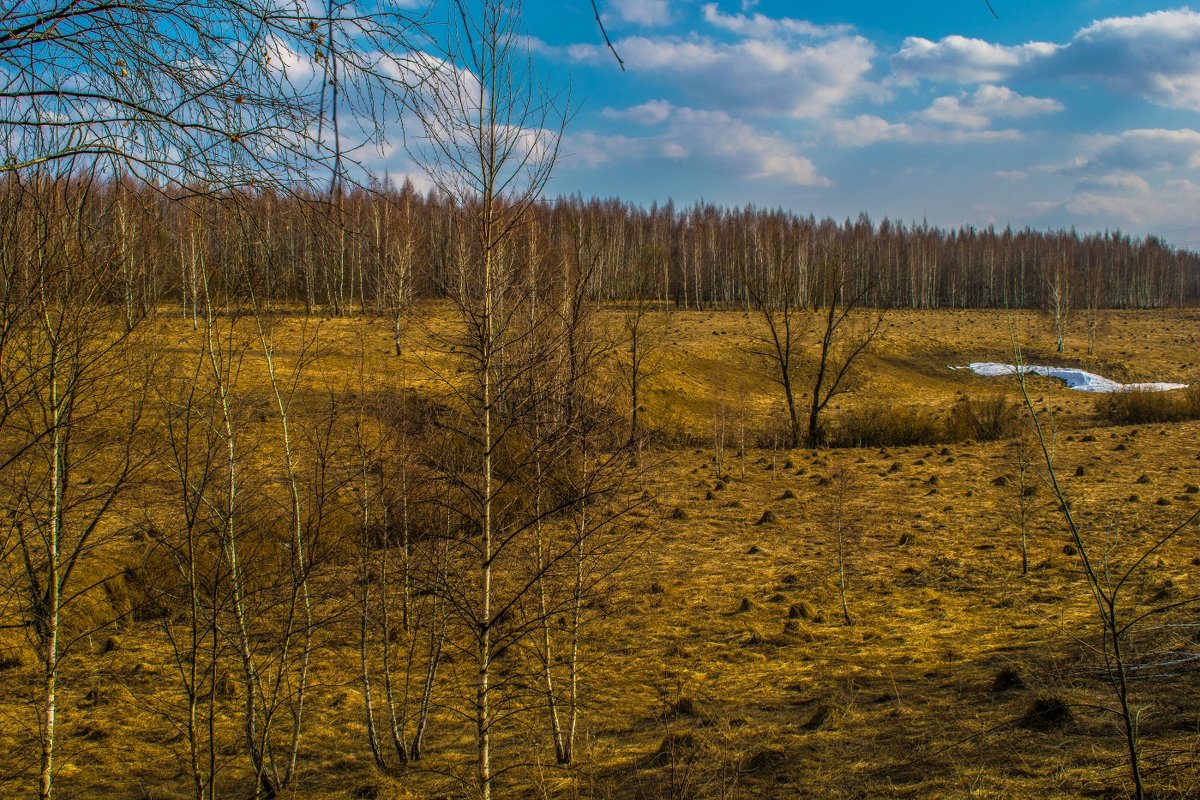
{"points": [[1076, 379]]}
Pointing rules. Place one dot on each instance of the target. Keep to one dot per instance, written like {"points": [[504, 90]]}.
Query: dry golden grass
{"points": [[721, 666]]}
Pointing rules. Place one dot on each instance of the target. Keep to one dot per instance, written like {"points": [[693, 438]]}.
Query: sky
{"points": [[1083, 113]]}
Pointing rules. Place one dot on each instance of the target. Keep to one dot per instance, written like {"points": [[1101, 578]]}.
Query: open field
{"points": [[718, 662]]}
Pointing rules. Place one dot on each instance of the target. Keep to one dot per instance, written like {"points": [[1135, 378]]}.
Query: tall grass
{"points": [[890, 426], [886, 426], [1138, 406]]}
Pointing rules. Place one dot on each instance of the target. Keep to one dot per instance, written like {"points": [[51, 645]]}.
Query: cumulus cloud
{"points": [[642, 12], [1116, 182], [764, 76], [948, 120], [962, 60], [988, 102], [1130, 200], [1155, 56], [711, 142], [868, 129], [1144, 178]]}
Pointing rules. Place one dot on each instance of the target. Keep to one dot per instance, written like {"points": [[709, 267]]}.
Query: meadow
{"points": [[834, 622]]}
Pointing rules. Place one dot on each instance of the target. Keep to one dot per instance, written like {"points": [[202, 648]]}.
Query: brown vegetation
{"points": [[1138, 406]]}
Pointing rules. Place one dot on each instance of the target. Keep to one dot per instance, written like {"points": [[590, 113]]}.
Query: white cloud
{"points": [[867, 129], [707, 142], [948, 120], [648, 13], [952, 111], [988, 102], [675, 150], [1000, 101], [963, 60], [1129, 200], [761, 26], [1155, 56], [763, 76], [1139, 150], [593, 149], [1145, 178], [1115, 182], [651, 112]]}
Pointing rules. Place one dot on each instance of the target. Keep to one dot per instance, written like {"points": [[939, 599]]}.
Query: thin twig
{"points": [[612, 48]]}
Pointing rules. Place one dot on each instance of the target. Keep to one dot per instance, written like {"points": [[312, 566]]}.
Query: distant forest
{"points": [[376, 248]]}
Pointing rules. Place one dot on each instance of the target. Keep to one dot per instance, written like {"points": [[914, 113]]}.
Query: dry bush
{"points": [[983, 420], [1138, 406]]}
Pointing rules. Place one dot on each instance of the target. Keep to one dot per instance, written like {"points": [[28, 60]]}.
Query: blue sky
{"points": [[1051, 115]]}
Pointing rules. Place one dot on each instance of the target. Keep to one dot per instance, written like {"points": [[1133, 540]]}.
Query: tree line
{"points": [[374, 248]]}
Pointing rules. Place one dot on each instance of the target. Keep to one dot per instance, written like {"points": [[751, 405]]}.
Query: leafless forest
{"points": [[365, 248]]}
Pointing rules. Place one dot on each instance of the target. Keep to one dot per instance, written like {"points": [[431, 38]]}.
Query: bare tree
{"points": [[70, 443], [1058, 301], [397, 254], [578, 556], [848, 329], [845, 326], [846, 523], [777, 293], [403, 608], [644, 338], [246, 543], [1112, 584], [1093, 288], [490, 141], [193, 402]]}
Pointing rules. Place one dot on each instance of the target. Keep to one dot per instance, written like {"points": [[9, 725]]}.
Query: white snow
{"points": [[1076, 379]]}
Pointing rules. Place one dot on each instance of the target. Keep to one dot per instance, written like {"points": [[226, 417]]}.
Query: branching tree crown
{"points": [[198, 92]]}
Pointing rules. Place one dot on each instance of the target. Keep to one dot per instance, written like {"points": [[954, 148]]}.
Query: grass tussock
{"points": [[1138, 406]]}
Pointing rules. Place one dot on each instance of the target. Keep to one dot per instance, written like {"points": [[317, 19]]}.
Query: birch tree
{"points": [[70, 444], [490, 141]]}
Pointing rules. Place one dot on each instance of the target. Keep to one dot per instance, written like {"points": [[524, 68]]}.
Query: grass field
{"points": [[720, 663]]}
